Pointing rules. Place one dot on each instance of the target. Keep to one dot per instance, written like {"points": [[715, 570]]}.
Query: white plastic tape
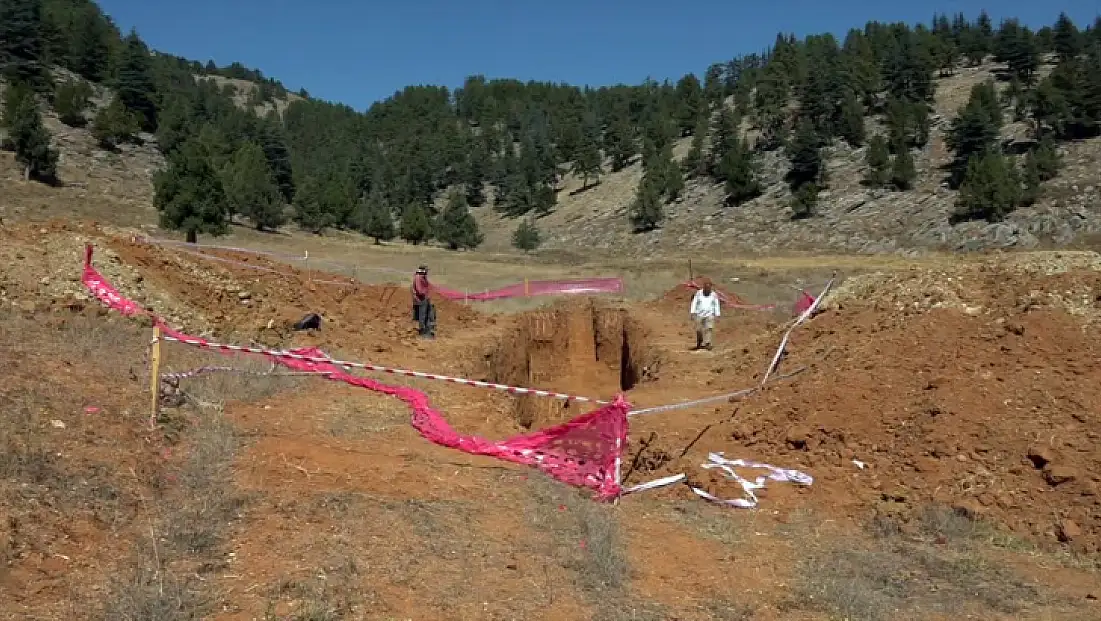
{"points": [[726, 466]]}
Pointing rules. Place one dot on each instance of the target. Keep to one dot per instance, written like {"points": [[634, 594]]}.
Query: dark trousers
{"points": [[425, 316]]}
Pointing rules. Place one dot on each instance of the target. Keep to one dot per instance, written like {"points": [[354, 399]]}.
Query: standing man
{"points": [[422, 305], [704, 310]]}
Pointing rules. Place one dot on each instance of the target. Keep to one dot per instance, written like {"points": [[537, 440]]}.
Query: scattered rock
{"points": [[799, 438], [1058, 475], [1040, 455], [1067, 530]]}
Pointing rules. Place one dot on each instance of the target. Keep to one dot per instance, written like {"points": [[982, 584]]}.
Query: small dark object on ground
{"points": [[309, 322]]}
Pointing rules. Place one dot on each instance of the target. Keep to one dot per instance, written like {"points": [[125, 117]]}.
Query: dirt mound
{"points": [[997, 416], [1067, 280], [261, 305]]}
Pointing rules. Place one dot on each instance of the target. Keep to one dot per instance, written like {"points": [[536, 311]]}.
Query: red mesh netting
{"points": [[585, 451]]}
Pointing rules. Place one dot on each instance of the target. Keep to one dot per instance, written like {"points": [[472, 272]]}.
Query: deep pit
{"points": [[580, 347]]}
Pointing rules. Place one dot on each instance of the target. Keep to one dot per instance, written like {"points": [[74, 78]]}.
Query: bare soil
{"points": [[968, 392]]}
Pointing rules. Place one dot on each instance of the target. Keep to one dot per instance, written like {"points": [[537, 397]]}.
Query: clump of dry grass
{"points": [[149, 590], [206, 501], [946, 569]]}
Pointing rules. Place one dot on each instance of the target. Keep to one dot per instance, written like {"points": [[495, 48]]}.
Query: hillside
{"points": [[511, 151], [851, 217]]}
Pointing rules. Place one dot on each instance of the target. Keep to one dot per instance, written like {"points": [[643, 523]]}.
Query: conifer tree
{"points": [[878, 158], [416, 226], [457, 227], [22, 44], [852, 120], [250, 189], [991, 188], [740, 172], [114, 125], [695, 162], [71, 101], [526, 237], [136, 88], [28, 136], [587, 164], [374, 218], [189, 194], [646, 211], [903, 172]]}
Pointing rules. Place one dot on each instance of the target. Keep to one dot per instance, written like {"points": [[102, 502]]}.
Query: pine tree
{"points": [[690, 104], [415, 226], [373, 217], [250, 189], [1066, 39], [723, 140], [274, 143], [805, 155], [136, 88], [619, 141], [475, 173], [852, 120], [804, 201], [321, 200], [526, 237], [646, 211], [114, 125], [1016, 46], [976, 130], [1030, 178], [695, 162], [667, 174], [1046, 159], [990, 190], [878, 158], [903, 172], [457, 227], [28, 136], [740, 172], [71, 101], [189, 194], [92, 46], [22, 44], [587, 164]]}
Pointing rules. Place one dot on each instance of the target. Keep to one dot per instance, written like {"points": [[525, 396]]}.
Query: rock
{"points": [[798, 438], [969, 508], [244, 295], [1067, 530], [1057, 475], [1040, 455]]}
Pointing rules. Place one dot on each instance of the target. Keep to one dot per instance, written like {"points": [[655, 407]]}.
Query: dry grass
{"points": [[169, 521], [588, 542], [941, 565]]}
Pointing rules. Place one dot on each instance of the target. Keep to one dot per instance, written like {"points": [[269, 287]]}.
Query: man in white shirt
{"points": [[704, 310]]}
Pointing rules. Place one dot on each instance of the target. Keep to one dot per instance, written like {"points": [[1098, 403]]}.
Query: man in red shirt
{"points": [[423, 313]]}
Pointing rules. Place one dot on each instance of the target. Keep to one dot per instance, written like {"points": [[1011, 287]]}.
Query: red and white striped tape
{"points": [[516, 390]]}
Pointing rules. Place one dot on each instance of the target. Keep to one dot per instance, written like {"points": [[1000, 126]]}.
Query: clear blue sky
{"points": [[360, 52]]}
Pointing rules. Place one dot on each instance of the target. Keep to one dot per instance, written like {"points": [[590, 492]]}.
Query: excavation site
{"points": [[935, 422]]}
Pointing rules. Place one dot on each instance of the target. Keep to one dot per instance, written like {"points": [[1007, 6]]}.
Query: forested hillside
{"points": [[414, 164]]}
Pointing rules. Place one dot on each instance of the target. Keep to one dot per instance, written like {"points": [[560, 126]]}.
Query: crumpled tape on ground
{"points": [[780, 475], [716, 460]]}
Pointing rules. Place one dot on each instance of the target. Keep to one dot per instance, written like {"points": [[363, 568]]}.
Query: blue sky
{"points": [[360, 52]]}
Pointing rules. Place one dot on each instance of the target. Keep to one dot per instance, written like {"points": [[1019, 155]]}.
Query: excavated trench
{"points": [[579, 348]]}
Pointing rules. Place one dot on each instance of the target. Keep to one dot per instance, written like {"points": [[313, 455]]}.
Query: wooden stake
{"points": [[691, 276], [155, 379], [527, 289], [309, 277]]}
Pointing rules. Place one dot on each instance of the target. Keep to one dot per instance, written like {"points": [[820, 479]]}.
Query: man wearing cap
{"points": [[704, 310], [422, 306]]}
